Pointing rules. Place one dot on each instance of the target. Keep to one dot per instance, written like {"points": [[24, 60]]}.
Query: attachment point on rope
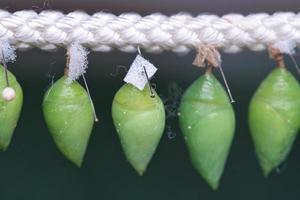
{"points": [[208, 55], [276, 55], [77, 63]]}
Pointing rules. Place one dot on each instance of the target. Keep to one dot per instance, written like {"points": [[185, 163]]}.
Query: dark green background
{"points": [[33, 169]]}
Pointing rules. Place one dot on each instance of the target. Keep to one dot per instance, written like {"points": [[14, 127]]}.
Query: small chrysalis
{"points": [[208, 123], [9, 110], [68, 110], [138, 115], [207, 120], [139, 120], [274, 117], [11, 96]]}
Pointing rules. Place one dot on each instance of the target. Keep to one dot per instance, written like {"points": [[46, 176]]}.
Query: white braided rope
{"points": [[102, 31]]}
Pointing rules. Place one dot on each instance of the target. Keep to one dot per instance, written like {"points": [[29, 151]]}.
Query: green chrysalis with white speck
{"points": [[207, 121], [139, 120], [9, 110], [274, 118], [69, 116]]}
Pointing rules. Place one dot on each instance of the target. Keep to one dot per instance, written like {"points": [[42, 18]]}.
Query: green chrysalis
{"points": [[139, 120], [274, 118], [69, 116], [9, 110], [207, 121]]}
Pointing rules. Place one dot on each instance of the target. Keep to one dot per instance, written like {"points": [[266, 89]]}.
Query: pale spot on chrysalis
{"points": [[8, 94]]}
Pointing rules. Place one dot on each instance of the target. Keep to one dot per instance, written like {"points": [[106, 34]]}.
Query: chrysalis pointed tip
{"points": [[214, 185], [3, 149], [140, 170], [141, 173], [266, 172], [78, 163], [267, 169]]}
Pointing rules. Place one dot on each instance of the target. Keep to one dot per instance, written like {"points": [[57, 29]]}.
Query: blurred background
{"points": [[33, 169]]}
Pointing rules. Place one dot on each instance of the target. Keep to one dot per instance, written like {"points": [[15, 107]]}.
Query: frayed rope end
{"points": [[7, 52], [78, 61], [285, 46]]}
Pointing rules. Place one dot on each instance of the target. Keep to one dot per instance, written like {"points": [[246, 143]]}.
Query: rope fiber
{"points": [[50, 29]]}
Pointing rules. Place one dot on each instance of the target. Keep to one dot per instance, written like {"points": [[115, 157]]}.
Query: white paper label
{"points": [[136, 74]]}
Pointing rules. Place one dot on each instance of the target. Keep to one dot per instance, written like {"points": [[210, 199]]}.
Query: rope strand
{"points": [[156, 32]]}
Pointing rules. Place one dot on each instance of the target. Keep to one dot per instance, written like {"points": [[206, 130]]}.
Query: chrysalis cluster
{"points": [[206, 115]]}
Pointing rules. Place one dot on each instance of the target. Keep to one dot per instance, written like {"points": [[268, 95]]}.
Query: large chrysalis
{"points": [[138, 114], [11, 99], [207, 121], [274, 117], [139, 120], [9, 109], [68, 112]]}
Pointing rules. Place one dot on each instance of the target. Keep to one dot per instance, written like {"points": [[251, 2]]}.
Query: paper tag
{"points": [[136, 74]]}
